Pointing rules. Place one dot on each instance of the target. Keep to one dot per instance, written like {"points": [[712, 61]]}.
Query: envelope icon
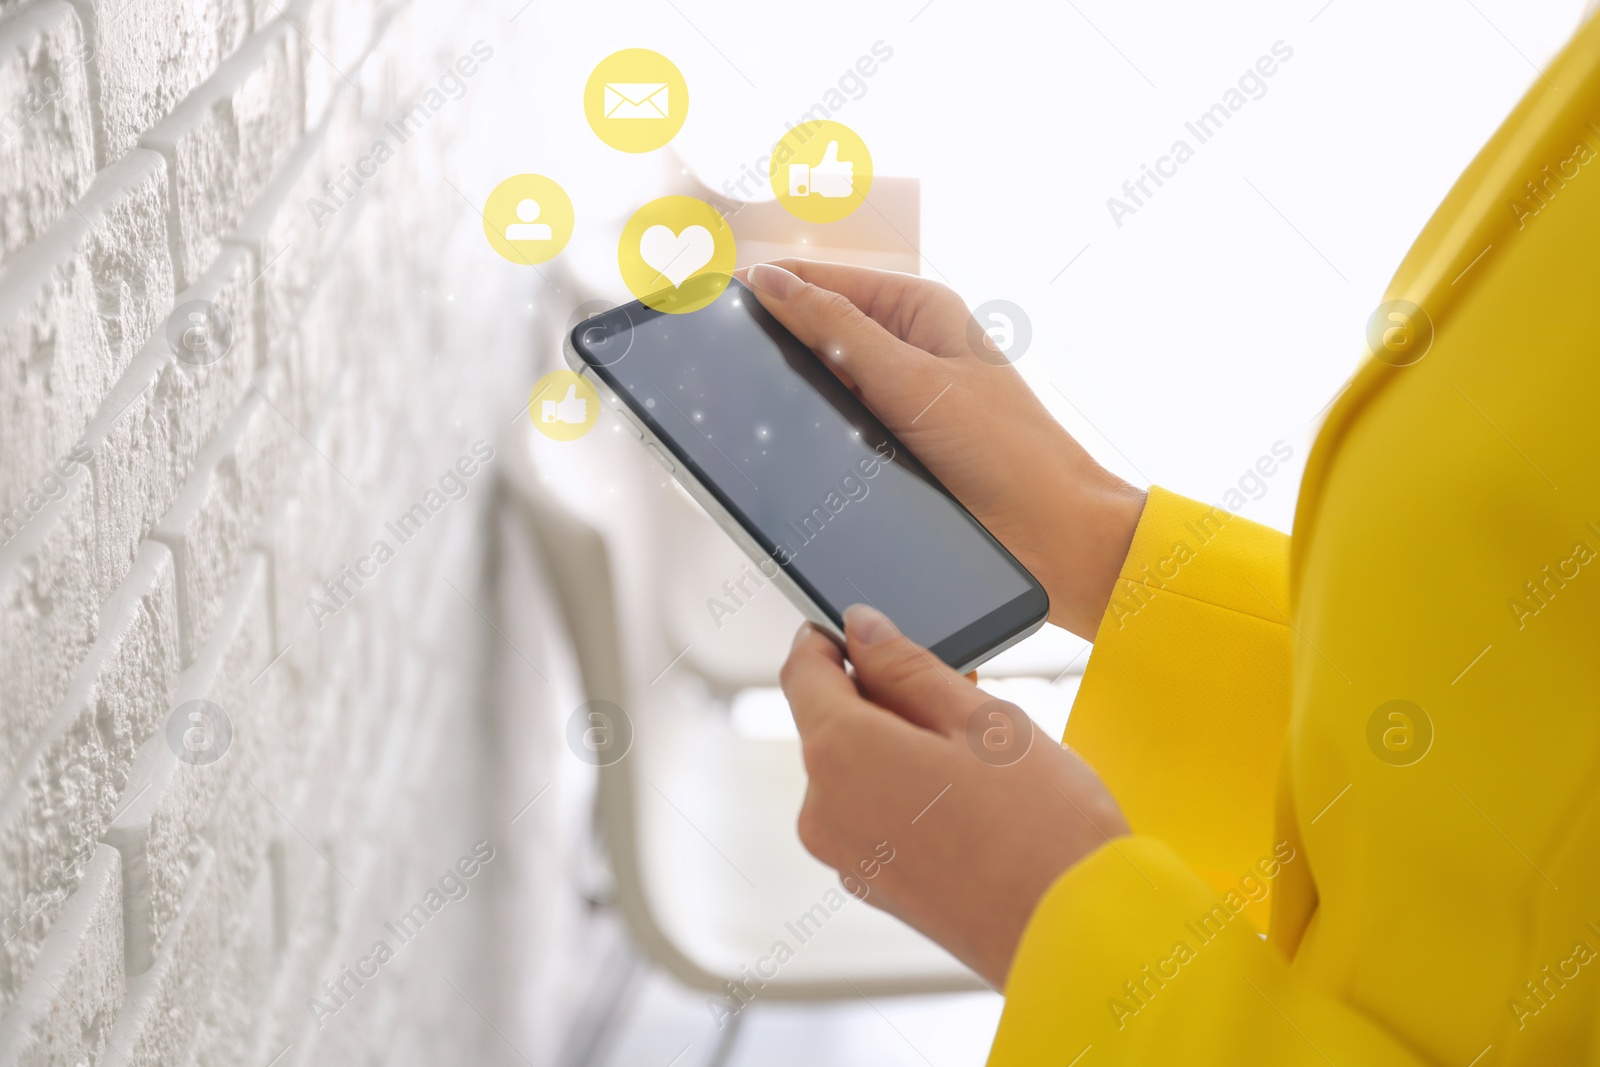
{"points": [[636, 100]]}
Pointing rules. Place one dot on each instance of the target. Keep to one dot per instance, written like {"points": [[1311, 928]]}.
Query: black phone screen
{"points": [[811, 473]]}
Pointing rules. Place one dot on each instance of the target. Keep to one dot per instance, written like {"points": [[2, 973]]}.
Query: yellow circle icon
{"points": [[563, 405], [528, 218], [676, 254], [636, 100], [820, 171]]}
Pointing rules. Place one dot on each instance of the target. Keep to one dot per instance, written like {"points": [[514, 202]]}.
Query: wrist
{"points": [[1094, 526]]}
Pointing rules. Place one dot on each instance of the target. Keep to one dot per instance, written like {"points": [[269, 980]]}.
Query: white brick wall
{"points": [[76, 990], [165, 521], [76, 305], [46, 138]]}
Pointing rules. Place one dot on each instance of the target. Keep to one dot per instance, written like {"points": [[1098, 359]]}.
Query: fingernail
{"points": [[868, 625], [774, 280], [801, 634]]}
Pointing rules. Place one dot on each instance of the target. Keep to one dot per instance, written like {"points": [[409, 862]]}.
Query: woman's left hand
{"points": [[934, 801]]}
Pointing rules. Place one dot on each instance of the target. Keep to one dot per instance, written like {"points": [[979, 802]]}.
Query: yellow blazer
{"points": [[1363, 768]]}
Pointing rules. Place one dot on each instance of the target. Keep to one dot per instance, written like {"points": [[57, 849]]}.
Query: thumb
{"points": [[894, 672], [894, 378], [831, 156], [572, 392]]}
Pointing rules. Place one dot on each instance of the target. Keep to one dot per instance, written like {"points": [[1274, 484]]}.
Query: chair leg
{"points": [[609, 1001], [730, 1036]]}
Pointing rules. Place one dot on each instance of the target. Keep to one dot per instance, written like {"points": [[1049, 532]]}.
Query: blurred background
{"points": [[345, 718]]}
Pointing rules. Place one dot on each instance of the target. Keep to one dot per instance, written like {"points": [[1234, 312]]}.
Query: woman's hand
{"points": [[936, 802], [909, 348]]}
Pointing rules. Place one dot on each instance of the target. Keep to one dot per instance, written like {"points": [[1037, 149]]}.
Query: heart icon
{"points": [[675, 256]]}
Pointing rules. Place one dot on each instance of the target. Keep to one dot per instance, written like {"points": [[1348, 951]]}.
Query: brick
{"points": [[64, 792], [366, 270], [290, 543], [338, 746], [291, 238], [304, 794], [249, 955], [385, 1004], [357, 922], [161, 1015], [224, 143], [284, 242], [308, 885], [46, 134], [284, 1018], [322, 363], [242, 817], [302, 710], [167, 803], [148, 56], [312, 535], [336, 35], [146, 439], [319, 904], [63, 1017], [244, 820], [388, 758], [433, 70], [157, 831], [75, 307], [49, 608], [228, 495]]}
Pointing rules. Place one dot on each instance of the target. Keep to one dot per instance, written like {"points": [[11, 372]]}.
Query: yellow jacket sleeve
{"points": [[1185, 701], [1149, 950], [1133, 959]]}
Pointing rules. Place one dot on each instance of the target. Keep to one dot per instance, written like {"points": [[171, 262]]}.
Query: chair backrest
{"points": [[581, 567], [884, 232]]}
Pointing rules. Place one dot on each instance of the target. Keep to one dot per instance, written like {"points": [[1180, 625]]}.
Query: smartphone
{"points": [[828, 504]]}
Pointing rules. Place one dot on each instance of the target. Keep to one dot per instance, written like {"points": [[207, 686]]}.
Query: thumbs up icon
{"points": [[832, 177], [572, 408]]}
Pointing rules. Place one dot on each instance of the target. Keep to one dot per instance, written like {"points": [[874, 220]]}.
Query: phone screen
{"points": [[810, 473]]}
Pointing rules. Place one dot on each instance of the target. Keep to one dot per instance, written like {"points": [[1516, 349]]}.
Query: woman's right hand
{"points": [[910, 349]]}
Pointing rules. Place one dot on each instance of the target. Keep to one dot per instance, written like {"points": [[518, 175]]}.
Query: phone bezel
{"points": [[970, 646]]}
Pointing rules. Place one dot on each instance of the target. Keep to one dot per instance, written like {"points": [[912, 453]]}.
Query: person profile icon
{"points": [[527, 229], [527, 218]]}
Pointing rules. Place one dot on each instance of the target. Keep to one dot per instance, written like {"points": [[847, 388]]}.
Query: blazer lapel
{"points": [[1448, 258]]}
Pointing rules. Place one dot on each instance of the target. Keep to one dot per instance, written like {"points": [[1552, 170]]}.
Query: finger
{"points": [[898, 674], [831, 155], [919, 311], [572, 392], [814, 680], [896, 379], [743, 275], [825, 320]]}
